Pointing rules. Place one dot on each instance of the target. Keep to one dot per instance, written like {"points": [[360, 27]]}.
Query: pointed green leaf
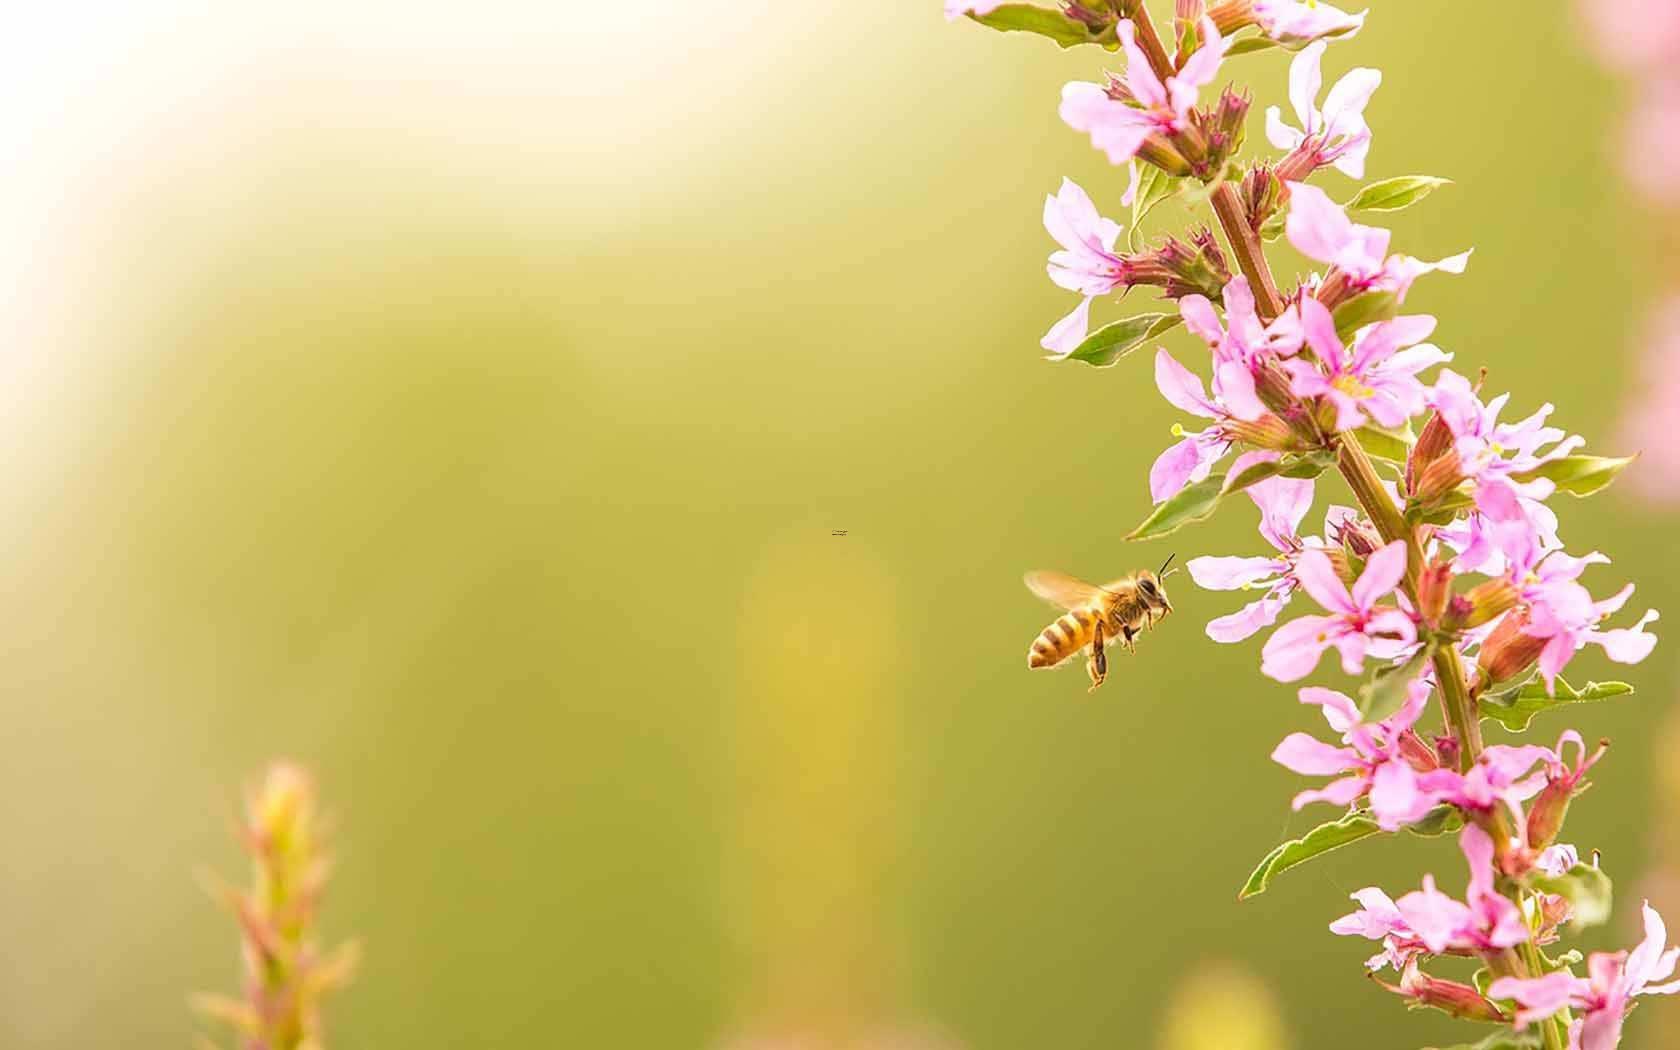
{"points": [[1154, 186], [1272, 228], [1364, 309], [1586, 888], [1442, 820], [1390, 445], [1403, 191], [1250, 44], [1515, 708], [1315, 843], [1197, 501], [1579, 475], [1026, 18], [1385, 691], [1111, 342]]}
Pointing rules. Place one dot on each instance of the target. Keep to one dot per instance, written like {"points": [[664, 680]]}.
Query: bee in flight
{"points": [[1096, 617]]}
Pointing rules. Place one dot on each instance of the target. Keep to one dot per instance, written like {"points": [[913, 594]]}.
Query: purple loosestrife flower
{"points": [[1649, 423], [1087, 263], [1321, 230], [1429, 921], [1376, 379], [1356, 625], [1381, 760], [1604, 995], [1283, 502], [1294, 22], [1234, 402], [1119, 126], [1247, 340], [1336, 135], [955, 9]]}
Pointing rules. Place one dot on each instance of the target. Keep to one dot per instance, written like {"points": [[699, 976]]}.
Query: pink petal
{"points": [[1181, 387], [1346, 102], [1383, 572], [1339, 709], [1541, 997], [1318, 578], [1337, 793], [1176, 468], [1230, 573], [1320, 331], [1316, 226], [1200, 318], [1294, 649], [1395, 798], [1305, 80], [1311, 757], [1066, 335], [1245, 622]]}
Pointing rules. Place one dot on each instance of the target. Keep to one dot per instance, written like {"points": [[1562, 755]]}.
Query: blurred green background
{"points": [[463, 402]]}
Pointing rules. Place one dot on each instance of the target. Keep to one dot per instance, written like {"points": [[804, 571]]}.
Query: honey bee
{"points": [[1096, 617]]}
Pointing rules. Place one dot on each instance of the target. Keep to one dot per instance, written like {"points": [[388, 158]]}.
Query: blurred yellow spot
{"points": [[1222, 1006]]}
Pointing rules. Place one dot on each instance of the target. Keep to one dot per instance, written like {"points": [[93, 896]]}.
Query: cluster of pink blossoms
{"points": [[1444, 579]]}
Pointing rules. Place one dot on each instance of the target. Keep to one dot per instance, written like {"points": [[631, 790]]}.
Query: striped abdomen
{"points": [[1071, 632]]}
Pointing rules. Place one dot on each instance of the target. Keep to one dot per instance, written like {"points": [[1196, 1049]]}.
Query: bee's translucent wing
{"points": [[1060, 589]]}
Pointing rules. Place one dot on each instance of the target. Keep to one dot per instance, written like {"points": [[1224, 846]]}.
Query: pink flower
{"points": [[1568, 621], [1336, 135], [1294, 22], [1501, 775], [955, 9], [1636, 35], [1247, 340], [1380, 760], [1119, 126], [1283, 502], [1233, 401], [1651, 140], [1321, 230], [1604, 995], [1086, 264], [1355, 625], [1376, 379], [1427, 920], [1649, 424]]}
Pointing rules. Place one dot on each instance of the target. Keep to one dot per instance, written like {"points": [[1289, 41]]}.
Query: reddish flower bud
{"points": [[1232, 15], [1481, 604], [1434, 588], [1459, 1000], [1419, 755], [1444, 474], [1267, 432], [1434, 441], [1509, 650], [1358, 536], [1549, 808]]}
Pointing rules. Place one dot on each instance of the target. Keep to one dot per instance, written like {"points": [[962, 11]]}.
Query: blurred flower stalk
{"points": [[1640, 40], [287, 976], [1440, 579]]}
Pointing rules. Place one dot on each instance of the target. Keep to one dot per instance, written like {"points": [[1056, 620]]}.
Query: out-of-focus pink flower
{"points": [[1633, 35], [1651, 141], [1192, 459], [1321, 230], [1246, 340], [1086, 263], [1603, 996], [1427, 920], [1294, 22], [955, 9], [1648, 426], [1337, 134], [1379, 760], [1355, 626], [1376, 379], [1118, 126]]}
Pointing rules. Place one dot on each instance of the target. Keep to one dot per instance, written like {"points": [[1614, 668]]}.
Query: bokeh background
{"points": [[462, 399]]}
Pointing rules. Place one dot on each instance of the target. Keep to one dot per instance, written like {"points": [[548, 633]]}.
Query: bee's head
{"points": [[1154, 590]]}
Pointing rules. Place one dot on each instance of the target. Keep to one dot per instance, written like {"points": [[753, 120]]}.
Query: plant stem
{"points": [[1150, 42], [1245, 244]]}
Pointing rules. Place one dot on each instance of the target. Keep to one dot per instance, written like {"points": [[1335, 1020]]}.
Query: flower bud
{"points": [[1434, 588], [1441, 477], [1358, 536], [1433, 442], [1223, 127], [1549, 808], [1232, 15], [1419, 755], [1267, 432], [1480, 604], [1509, 650], [1262, 194], [1163, 154], [1459, 1000], [1334, 289]]}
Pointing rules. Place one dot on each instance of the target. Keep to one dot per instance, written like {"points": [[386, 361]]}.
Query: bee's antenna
{"points": [[1162, 573]]}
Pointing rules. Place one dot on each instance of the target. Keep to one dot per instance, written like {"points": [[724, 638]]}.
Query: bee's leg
{"points": [[1127, 633], [1097, 665]]}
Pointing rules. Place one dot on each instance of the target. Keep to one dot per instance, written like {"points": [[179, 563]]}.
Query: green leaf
{"points": [[1272, 228], [1154, 186], [1385, 691], [1111, 342], [1515, 708], [1197, 501], [1362, 310], [1579, 475], [1442, 820], [1586, 888], [1390, 445], [1026, 18], [1504, 1039], [1315, 843], [1403, 191], [1250, 44]]}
